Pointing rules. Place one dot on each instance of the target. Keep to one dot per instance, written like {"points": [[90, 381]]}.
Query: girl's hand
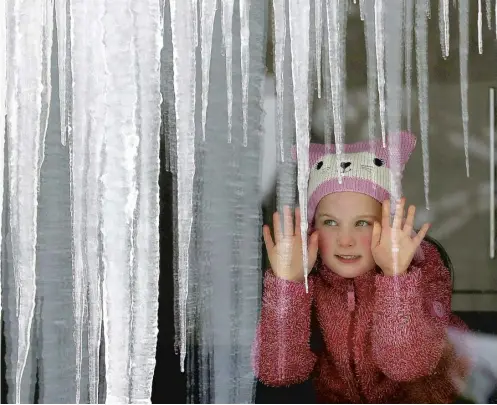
{"points": [[393, 247], [285, 252]]}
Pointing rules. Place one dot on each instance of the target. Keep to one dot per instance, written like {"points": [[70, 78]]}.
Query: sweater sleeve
{"points": [[281, 352], [412, 312]]}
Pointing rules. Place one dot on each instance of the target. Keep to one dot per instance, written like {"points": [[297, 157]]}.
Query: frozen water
{"points": [[380, 63], [183, 38], [408, 42], [227, 12], [299, 17], [369, 32], [463, 66], [443, 22], [245, 55], [279, 59], [422, 73], [27, 104], [480, 28], [208, 13]]}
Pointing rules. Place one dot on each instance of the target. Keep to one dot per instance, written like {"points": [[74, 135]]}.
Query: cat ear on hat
{"points": [[399, 145]]}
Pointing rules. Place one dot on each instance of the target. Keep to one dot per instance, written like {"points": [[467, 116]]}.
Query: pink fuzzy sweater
{"points": [[384, 337]]}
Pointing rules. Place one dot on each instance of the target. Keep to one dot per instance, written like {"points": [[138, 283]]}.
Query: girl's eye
{"points": [[329, 222], [363, 223]]}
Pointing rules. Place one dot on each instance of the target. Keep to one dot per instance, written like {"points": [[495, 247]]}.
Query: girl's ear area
{"points": [[406, 142]]}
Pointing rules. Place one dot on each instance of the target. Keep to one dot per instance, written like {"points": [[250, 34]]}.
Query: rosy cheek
{"points": [[325, 242], [365, 241]]}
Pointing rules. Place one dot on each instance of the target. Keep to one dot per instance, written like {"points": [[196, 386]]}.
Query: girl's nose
{"points": [[345, 239]]}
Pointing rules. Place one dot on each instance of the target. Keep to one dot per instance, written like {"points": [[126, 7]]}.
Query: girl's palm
{"points": [[285, 251]]}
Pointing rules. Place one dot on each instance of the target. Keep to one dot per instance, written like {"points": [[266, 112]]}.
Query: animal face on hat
{"points": [[364, 167]]}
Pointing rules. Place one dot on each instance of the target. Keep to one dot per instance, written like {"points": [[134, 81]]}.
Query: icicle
{"points": [[299, 12], [184, 89], [428, 9], [145, 293], [422, 74], [361, 9], [480, 28], [27, 107], [318, 19], [408, 38], [63, 19], [208, 14], [337, 18], [488, 10], [279, 59], [380, 63], [3, 101], [245, 55], [228, 46], [79, 155], [369, 33], [443, 24], [463, 66], [195, 22]]}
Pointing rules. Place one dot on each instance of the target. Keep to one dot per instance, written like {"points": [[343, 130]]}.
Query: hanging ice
{"points": [[28, 100], [318, 19], [463, 66], [227, 13], [208, 13], [245, 55], [129, 193], [422, 75], [380, 63], [279, 59], [3, 100], [184, 88], [63, 20], [369, 33], [488, 10], [299, 17], [408, 39], [480, 28], [443, 23]]}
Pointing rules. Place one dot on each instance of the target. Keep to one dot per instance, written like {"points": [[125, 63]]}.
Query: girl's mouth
{"points": [[348, 258]]}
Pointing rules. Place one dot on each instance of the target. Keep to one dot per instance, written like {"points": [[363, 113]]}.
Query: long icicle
{"points": [[422, 75], [463, 67], [408, 40], [480, 28], [208, 13], [380, 63], [3, 102], [147, 45], [63, 20], [279, 59], [78, 158], [28, 101], [369, 33], [488, 11], [299, 17], [337, 18], [245, 56], [183, 39], [318, 21], [443, 25], [227, 13]]}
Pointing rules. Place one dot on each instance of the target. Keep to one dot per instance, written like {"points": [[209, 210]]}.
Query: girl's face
{"points": [[345, 224]]}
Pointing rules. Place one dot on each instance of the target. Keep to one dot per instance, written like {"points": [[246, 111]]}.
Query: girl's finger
{"points": [[421, 234], [268, 240], [287, 221], [399, 214], [277, 227], [409, 223], [376, 236], [385, 215], [297, 221]]}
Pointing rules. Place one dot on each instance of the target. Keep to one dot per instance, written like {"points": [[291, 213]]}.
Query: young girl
{"points": [[380, 293]]}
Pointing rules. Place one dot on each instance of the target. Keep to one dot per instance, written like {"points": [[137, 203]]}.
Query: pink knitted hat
{"points": [[365, 168]]}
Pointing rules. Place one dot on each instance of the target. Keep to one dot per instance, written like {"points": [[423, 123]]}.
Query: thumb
{"points": [[376, 236], [313, 249]]}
